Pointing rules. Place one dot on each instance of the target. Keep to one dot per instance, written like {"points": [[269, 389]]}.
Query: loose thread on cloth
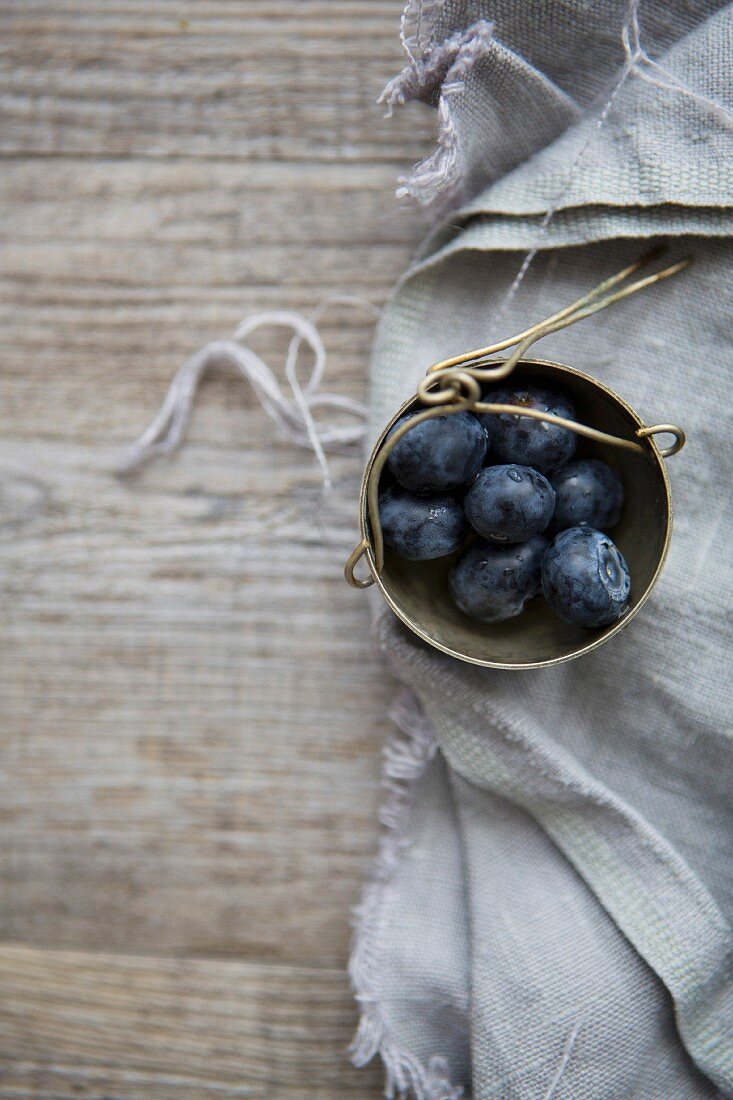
{"points": [[651, 71], [294, 415], [417, 28], [564, 1060], [552, 209], [405, 759], [637, 62]]}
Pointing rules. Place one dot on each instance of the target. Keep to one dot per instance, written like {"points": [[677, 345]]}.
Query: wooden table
{"points": [[191, 709]]}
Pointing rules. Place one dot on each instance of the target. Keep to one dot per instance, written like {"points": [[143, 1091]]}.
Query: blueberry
{"points": [[588, 494], [421, 528], [439, 454], [509, 503], [530, 442], [492, 583], [585, 578]]}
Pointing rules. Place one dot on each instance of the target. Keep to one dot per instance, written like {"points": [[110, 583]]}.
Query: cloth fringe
{"points": [[417, 28], [435, 80], [405, 760]]}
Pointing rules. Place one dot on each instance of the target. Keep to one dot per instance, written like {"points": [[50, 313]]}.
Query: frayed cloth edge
{"points": [[405, 759]]}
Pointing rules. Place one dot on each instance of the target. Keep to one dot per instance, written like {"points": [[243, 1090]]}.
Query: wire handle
{"points": [[455, 384]]}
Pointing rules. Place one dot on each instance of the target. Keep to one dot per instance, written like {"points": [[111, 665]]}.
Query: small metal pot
{"points": [[418, 591]]}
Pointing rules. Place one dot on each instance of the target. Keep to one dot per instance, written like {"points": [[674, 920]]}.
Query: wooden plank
{"points": [[76, 1024], [258, 79]]}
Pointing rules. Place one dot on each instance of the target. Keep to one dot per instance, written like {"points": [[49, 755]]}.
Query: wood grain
{"points": [[191, 707], [78, 1024], [262, 79]]}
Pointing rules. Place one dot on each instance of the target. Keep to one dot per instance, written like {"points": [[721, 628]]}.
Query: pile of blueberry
{"points": [[540, 515]]}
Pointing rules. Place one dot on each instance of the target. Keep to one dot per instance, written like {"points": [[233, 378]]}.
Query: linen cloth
{"points": [[552, 920]]}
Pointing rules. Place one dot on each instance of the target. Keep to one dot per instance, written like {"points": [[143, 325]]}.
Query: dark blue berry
{"points": [[439, 454], [588, 494], [509, 503], [585, 578], [524, 440], [492, 583], [421, 528]]}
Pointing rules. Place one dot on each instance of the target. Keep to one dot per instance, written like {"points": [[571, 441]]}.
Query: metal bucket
{"points": [[418, 591]]}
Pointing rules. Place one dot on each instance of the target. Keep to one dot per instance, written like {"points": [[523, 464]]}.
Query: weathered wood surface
{"points": [[191, 711], [75, 1024], [83, 1024]]}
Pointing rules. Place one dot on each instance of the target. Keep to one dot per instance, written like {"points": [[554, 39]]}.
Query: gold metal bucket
{"points": [[608, 429]]}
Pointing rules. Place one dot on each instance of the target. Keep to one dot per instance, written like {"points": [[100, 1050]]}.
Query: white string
{"points": [[293, 415]]}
